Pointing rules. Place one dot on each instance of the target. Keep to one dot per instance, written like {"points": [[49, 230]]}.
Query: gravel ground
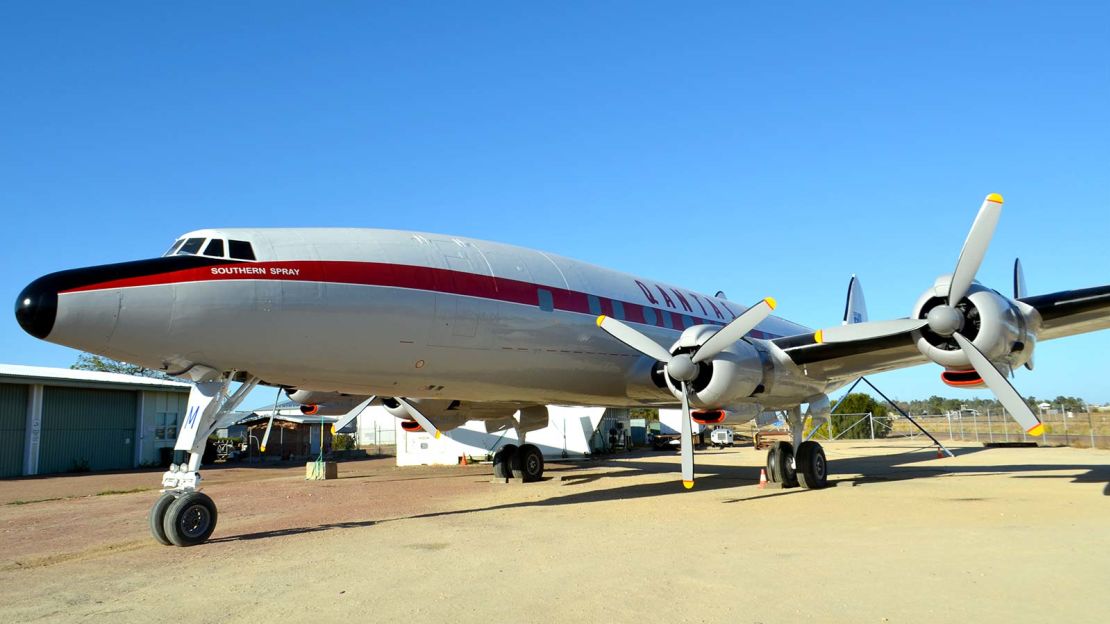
{"points": [[992, 535]]}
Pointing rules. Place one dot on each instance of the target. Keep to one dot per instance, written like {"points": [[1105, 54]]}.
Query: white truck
{"points": [[722, 437]]}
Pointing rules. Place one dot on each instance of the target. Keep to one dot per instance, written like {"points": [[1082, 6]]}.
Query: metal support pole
{"points": [[975, 422], [908, 417], [1091, 424], [990, 427], [871, 421], [961, 419], [950, 435], [1067, 437]]}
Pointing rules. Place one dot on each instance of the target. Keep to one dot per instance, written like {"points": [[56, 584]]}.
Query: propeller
{"points": [[947, 320], [418, 417], [347, 418], [683, 367], [270, 423]]}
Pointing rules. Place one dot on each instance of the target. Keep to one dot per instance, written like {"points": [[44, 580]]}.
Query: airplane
{"points": [[442, 329]]}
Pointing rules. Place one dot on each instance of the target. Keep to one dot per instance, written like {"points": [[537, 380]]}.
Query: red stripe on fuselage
{"points": [[397, 276]]}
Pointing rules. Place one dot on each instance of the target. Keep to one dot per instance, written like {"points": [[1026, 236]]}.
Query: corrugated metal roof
{"points": [[22, 373]]}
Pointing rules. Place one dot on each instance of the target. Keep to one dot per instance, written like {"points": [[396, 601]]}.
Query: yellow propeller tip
{"points": [[687, 484], [1036, 430], [600, 320], [819, 336], [771, 302], [262, 449], [994, 197], [438, 433], [333, 429]]}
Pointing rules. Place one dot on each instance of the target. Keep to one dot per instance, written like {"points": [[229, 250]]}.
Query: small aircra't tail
{"points": [[855, 307]]}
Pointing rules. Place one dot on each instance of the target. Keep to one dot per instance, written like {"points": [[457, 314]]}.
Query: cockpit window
{"points": [[215, 248], [240, 250], [175, 246], [191, 246]]}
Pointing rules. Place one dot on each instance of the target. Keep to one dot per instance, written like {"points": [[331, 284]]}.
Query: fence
{"points": [[1086, 429]]}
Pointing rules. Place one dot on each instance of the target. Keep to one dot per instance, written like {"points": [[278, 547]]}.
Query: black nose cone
{"points": [[37, 307]]}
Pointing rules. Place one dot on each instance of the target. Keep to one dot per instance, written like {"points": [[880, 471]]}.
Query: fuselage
{"points": [[383, 312]]}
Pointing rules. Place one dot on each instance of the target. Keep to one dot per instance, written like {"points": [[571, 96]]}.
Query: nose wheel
{"points": [[183, 518]]}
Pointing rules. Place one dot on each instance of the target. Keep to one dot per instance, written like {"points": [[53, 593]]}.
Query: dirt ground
{"points": [[992, 535]]}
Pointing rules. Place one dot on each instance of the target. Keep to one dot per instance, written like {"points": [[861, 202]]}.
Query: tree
{"points": [[93, 362], [846, 421]]}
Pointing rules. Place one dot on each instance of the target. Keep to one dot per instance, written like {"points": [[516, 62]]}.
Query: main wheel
{"points": [[780, 464], [190, 519], [528, 463], [503, 461], [813, 469], [158, 514]]}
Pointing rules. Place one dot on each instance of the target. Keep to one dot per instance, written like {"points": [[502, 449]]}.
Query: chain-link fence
{"points": [[1080, 429]]}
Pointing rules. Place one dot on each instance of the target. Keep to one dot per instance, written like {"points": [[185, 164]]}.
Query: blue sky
{"points": [[762, 149]]}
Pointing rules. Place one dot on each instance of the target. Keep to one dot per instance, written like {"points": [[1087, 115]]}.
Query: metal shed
{"points": [[60, 420]]}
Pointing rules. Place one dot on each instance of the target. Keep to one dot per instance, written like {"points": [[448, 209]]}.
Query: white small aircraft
{"points": [[445, 329]]}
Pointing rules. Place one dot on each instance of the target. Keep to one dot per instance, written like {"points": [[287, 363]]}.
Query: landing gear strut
{"points": [[182, 516]]}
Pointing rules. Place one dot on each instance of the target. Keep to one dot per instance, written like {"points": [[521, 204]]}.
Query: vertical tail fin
{"points": [[855, 307]]}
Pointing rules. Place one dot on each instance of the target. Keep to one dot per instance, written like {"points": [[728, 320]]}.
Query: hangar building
{"points": [[60, 420]]}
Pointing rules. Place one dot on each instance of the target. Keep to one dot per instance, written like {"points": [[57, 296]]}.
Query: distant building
{"points": [[60, 420]]}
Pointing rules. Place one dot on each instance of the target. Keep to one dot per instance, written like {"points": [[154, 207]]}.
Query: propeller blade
{"points": [[1019, 280], [975, 247], [735, 330], [418, 417], [269, 424], [633, 338], [347, 418], [869, 329], [687, 442], [1001, 388]]}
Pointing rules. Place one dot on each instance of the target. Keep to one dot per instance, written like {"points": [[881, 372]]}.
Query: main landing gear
{"points": [[182, 515], [523, 462], [806, 467]]}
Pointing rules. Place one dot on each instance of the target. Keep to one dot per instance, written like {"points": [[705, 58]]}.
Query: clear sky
{"points": [[759, 148]]}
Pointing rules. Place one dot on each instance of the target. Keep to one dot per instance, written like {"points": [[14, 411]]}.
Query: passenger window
{"points": [[215, 248], [191, 246], [546, 301], [240, 250], [175, 247], [618, 310], [649, 315], [667, 320], [595, 304]]}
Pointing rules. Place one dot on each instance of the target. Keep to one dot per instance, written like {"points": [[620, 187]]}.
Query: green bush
{"points": [[343, 442], [844, 421]]}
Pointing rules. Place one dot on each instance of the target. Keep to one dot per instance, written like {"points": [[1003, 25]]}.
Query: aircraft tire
{"points": [[780, 464], [158, 514], [528, 463], [190, 519], [813, 468], [503, 460]]}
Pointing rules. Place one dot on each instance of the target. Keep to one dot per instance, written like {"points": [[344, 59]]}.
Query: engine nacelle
{"points": [[727, 378], [324, 403], [1003, 329], [447, 415]]}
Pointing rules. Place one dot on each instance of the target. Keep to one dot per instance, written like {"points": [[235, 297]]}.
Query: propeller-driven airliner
{"points": [[442, 330]]}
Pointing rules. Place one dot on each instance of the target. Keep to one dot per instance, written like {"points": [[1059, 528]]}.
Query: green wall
{"points": [[82, 427], [13, 427]]}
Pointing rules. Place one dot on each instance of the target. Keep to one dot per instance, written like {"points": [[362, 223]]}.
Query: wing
{"points": [[848, 360], [1071, 312]]}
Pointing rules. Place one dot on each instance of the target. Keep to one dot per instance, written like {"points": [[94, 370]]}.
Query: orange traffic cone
{"points": [[762, 478], [463, 460], [940, 455]]}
